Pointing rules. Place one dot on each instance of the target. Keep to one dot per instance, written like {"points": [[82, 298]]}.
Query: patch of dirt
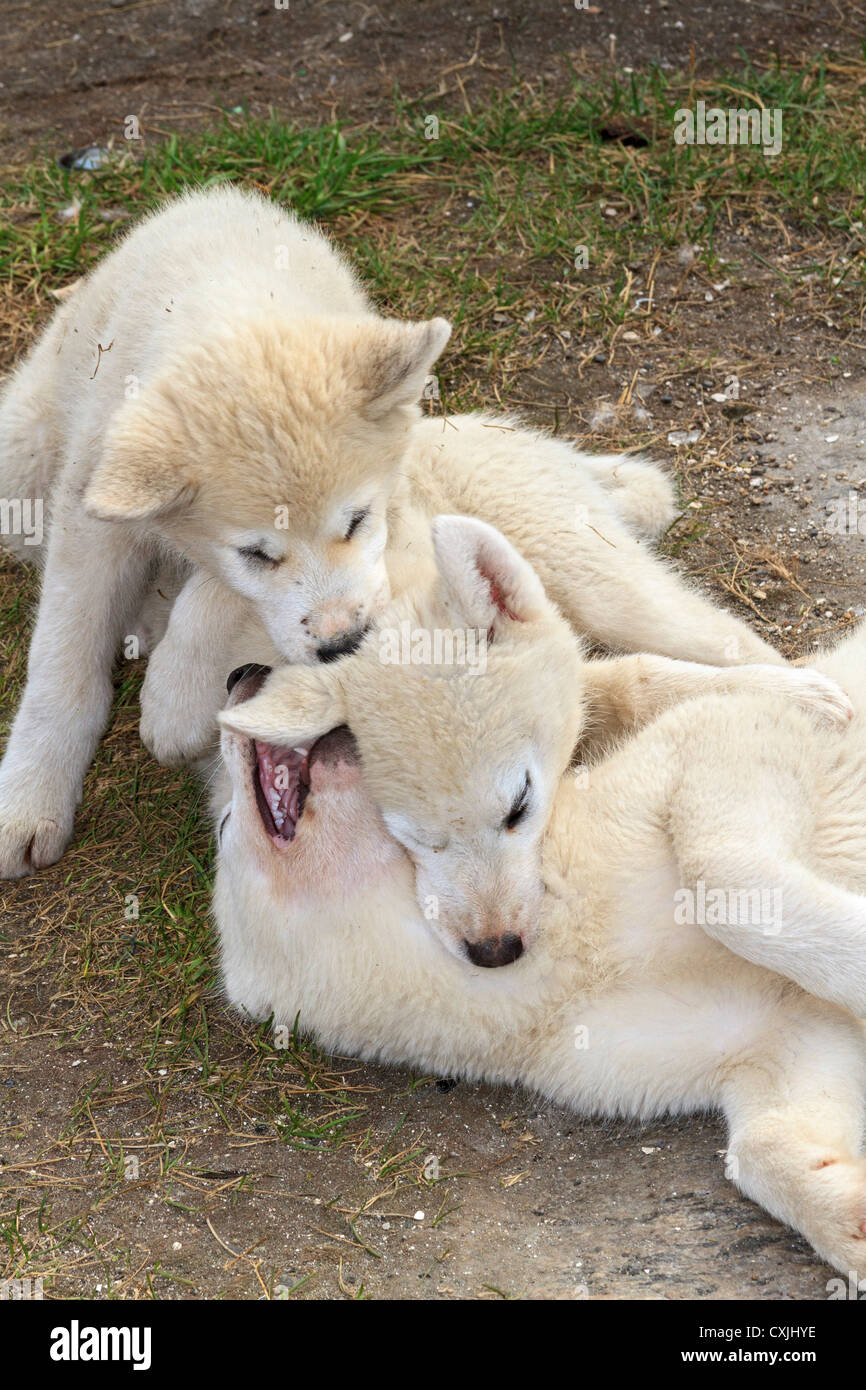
{"points": [[73, 73], [756, 397], [531, 1202], [792, 513]]}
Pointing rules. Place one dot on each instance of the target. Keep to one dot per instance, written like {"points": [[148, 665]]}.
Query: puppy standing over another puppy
{"points": [[220, 392]]}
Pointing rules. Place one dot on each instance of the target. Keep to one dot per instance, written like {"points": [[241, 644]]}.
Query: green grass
{"points": [[496, 206]]}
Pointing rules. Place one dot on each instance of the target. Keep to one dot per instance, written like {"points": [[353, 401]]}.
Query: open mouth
{"points": [[281, 779]]}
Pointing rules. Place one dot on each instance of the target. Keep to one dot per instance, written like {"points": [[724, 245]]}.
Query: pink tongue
{"points": [[279, 777]]}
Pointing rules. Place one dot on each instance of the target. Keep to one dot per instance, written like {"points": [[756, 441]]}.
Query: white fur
{"points": [[616, 1007], [481, 869]]}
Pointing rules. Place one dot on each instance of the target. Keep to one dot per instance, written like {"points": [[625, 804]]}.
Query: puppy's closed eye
{"points": [[256, 556], [519, 806], [357, 520]]}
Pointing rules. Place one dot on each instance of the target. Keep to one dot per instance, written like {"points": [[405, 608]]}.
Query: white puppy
{"points": [[631, 996], [220, 392], [463, 757]]}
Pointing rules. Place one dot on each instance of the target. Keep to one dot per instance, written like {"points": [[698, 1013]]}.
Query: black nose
{"points": [[501, 950], [250, 669], [341, 646]]}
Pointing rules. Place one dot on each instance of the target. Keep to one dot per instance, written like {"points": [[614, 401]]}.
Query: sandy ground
{"points": [[541, 1205]]}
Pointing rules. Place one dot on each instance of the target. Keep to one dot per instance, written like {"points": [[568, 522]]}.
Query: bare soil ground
{"points": [[153, 1149], [72, 73]]}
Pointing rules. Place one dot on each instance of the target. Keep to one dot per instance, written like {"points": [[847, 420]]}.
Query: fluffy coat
{"points": [[629, 999]]}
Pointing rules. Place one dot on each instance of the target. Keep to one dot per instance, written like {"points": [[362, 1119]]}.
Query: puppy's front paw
{"points": [[173, 732], [30, 837], [172, 746], [178, 714]]}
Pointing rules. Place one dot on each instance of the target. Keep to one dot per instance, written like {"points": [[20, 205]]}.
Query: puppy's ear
{"points": [[483, 579], [398, 358], [295, 704], [142, 474]]}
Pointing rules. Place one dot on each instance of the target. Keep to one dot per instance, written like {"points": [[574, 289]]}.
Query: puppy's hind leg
{"points": [[626, 692], [738, 837], [611, 587], [795, 1111]]}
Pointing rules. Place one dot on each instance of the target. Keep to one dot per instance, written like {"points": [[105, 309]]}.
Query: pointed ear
{"points": [[295, 704], [398, 362], [482, 576], [143, 470]]}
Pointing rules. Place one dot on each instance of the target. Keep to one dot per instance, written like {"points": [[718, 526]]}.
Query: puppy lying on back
{"points": [[628, 995], [473, 821]]}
